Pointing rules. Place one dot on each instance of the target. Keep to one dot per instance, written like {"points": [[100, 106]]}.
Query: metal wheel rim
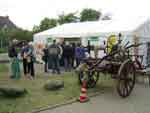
{"points": [[126, 80]]}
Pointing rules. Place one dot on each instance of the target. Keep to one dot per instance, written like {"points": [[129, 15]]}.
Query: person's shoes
{"points": [[31, 78]]}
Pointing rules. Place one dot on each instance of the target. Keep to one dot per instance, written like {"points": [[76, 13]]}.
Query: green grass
{"points": [[3, 50], [3, 68], [37, 96]]}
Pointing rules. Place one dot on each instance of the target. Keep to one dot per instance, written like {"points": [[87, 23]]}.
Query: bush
{"points": [[12, 91], [54, 84]]}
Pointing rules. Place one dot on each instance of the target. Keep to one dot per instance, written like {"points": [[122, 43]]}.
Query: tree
{"points": [[20, 34], [89, 15], [67, 18], [47, 23], [2, 37], [35, 29], [5, 36]]}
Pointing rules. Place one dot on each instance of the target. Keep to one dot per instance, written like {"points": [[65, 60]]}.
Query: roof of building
{"points": [[6, 22]]}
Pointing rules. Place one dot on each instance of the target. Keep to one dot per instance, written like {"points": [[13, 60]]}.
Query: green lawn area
{"points": [[3, 50], [3, 69], [37, 96]]}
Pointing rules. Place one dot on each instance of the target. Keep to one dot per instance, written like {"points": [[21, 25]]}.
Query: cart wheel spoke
{"points": [[124, 89], [127, 87], [126, 79], [92, 79]]}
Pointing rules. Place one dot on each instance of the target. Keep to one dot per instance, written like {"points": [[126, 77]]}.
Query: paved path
{"points": [[4, 57], [110, 102]]}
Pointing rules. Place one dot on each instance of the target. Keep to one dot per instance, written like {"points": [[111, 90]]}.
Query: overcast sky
{"points": [[27, 13]]}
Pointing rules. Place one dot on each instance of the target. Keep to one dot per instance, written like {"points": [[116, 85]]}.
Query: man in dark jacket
{"points": [[73, 55], [67, 56], [54, 52], [45, 58], [89, 48]]}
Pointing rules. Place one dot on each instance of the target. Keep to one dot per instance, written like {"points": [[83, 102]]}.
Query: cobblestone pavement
{"points": [[110, 102]]}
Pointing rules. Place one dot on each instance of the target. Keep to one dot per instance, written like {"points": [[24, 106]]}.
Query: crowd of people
{"points": [[26, 54], [66, 55], [56, 57]]}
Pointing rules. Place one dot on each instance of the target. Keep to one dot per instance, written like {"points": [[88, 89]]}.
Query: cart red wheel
{"points": [[126, 78]]}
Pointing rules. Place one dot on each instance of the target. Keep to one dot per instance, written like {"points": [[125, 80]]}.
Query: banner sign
{"points": [[93, 40], [49, 40]]}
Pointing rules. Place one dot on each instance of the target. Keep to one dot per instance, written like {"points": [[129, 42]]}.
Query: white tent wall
{"points": [[84, 41], [143, 33], [90, 29], [39, 39]]}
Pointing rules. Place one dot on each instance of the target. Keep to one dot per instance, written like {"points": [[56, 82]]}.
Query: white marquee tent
{"points": [[133, 30], [96, 28]]}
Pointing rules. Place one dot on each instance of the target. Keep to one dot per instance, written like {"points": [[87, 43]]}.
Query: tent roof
{"points": [[94, 28]]}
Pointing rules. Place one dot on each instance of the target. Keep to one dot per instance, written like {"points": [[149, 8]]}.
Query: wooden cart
{"points": [[119, 63]]}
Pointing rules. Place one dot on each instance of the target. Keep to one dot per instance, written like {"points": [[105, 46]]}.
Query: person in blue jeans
{"points": [[79, 54]]}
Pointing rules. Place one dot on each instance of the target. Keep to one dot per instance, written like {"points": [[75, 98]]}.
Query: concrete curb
{"points": [[4, 61], [63, 104]]}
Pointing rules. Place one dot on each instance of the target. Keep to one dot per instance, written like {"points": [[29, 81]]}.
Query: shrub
{"points": [[12, 91], [54, 84]]}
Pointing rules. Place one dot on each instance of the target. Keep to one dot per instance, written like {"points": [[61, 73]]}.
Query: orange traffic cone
{"points": [[83, 96]]}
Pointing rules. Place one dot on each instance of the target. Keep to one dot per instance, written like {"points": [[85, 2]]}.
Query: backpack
{"points": [[54, 50]]}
